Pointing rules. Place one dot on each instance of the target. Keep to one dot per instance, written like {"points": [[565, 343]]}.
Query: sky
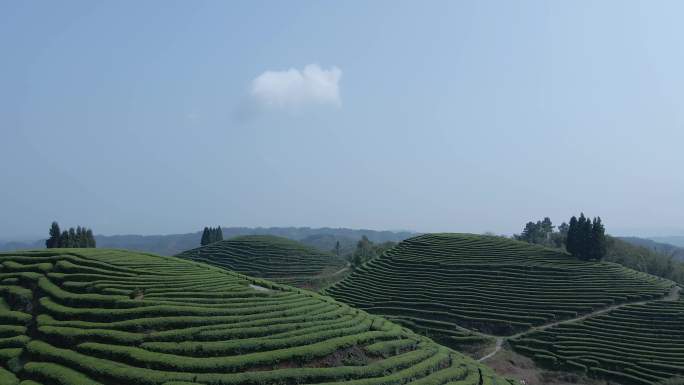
{"points": [[157, 117]]}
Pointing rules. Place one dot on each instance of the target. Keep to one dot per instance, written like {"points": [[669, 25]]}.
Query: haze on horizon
{"points": [[158, 117]]}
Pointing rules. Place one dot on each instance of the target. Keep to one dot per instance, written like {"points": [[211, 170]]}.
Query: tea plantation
{"points": [[91, 316], [635, 344], [278, 259], [446, 285]]}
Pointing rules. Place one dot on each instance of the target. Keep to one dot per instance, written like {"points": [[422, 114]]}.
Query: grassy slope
{"points": [[443, 285], [266, 256], [86, 316]]}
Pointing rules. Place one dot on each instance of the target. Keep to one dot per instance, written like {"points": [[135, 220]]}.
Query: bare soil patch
{"points": [[512, 365]]}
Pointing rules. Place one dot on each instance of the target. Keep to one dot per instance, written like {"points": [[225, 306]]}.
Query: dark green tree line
{"points": [[211, 235], [582, 237], [589, 241], [586, 238], [78, 237], [367, 250], [542, 233]]}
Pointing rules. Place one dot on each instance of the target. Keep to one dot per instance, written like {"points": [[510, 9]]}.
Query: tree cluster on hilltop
{"points": [[367, 250], [584, 238], [211, 235], [587, 240], [543, 233], [78, 237]]}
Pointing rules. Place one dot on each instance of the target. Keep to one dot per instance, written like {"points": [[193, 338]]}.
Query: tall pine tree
{"points": [[64, 239], [531, 232], [90, 239], [80, 237], [55, 233], [73, 242], [583, 236], [571, 241], [586, 239], [205, 237], [598, 240], [546, 227]]}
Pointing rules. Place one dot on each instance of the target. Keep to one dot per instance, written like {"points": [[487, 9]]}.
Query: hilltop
{"points": [[278, 259], [93, 316], [464, 290]]}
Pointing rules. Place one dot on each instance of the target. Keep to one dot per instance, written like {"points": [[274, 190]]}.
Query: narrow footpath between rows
{"points": [[673, 295], [340, 271]]}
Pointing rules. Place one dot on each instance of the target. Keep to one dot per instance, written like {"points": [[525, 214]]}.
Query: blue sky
{"points": [[160, 117]]}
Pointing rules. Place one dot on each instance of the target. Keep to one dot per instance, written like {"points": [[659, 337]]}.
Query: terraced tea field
{"points": [[635, 344], [278, 259], [450, 286], [89, 316]]}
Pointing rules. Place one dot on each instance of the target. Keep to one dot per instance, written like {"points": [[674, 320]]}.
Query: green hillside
{"points": [[635, 344], [86, 316], [449, 286], [278, 259]]}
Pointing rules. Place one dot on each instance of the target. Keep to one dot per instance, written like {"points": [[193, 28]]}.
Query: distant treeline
{"points": [[323, 239], [78, 237], [659, 247], [644, 259], [211, 235]]}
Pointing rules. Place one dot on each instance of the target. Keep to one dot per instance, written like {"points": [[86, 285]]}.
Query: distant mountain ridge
{"points": [[323, 238], [22, 245]]}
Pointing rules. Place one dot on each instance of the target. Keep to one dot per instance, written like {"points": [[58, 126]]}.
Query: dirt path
{"points": [[258, 288], [342, 270], [673, 295], [497, 348]]}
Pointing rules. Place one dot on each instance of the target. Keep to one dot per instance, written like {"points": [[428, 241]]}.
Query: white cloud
{"points": [[293, 89]]}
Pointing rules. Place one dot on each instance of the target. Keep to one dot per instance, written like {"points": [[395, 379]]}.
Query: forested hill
{"points": [[645, 259], [322, 238], [676, 252], [677, 240]]}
